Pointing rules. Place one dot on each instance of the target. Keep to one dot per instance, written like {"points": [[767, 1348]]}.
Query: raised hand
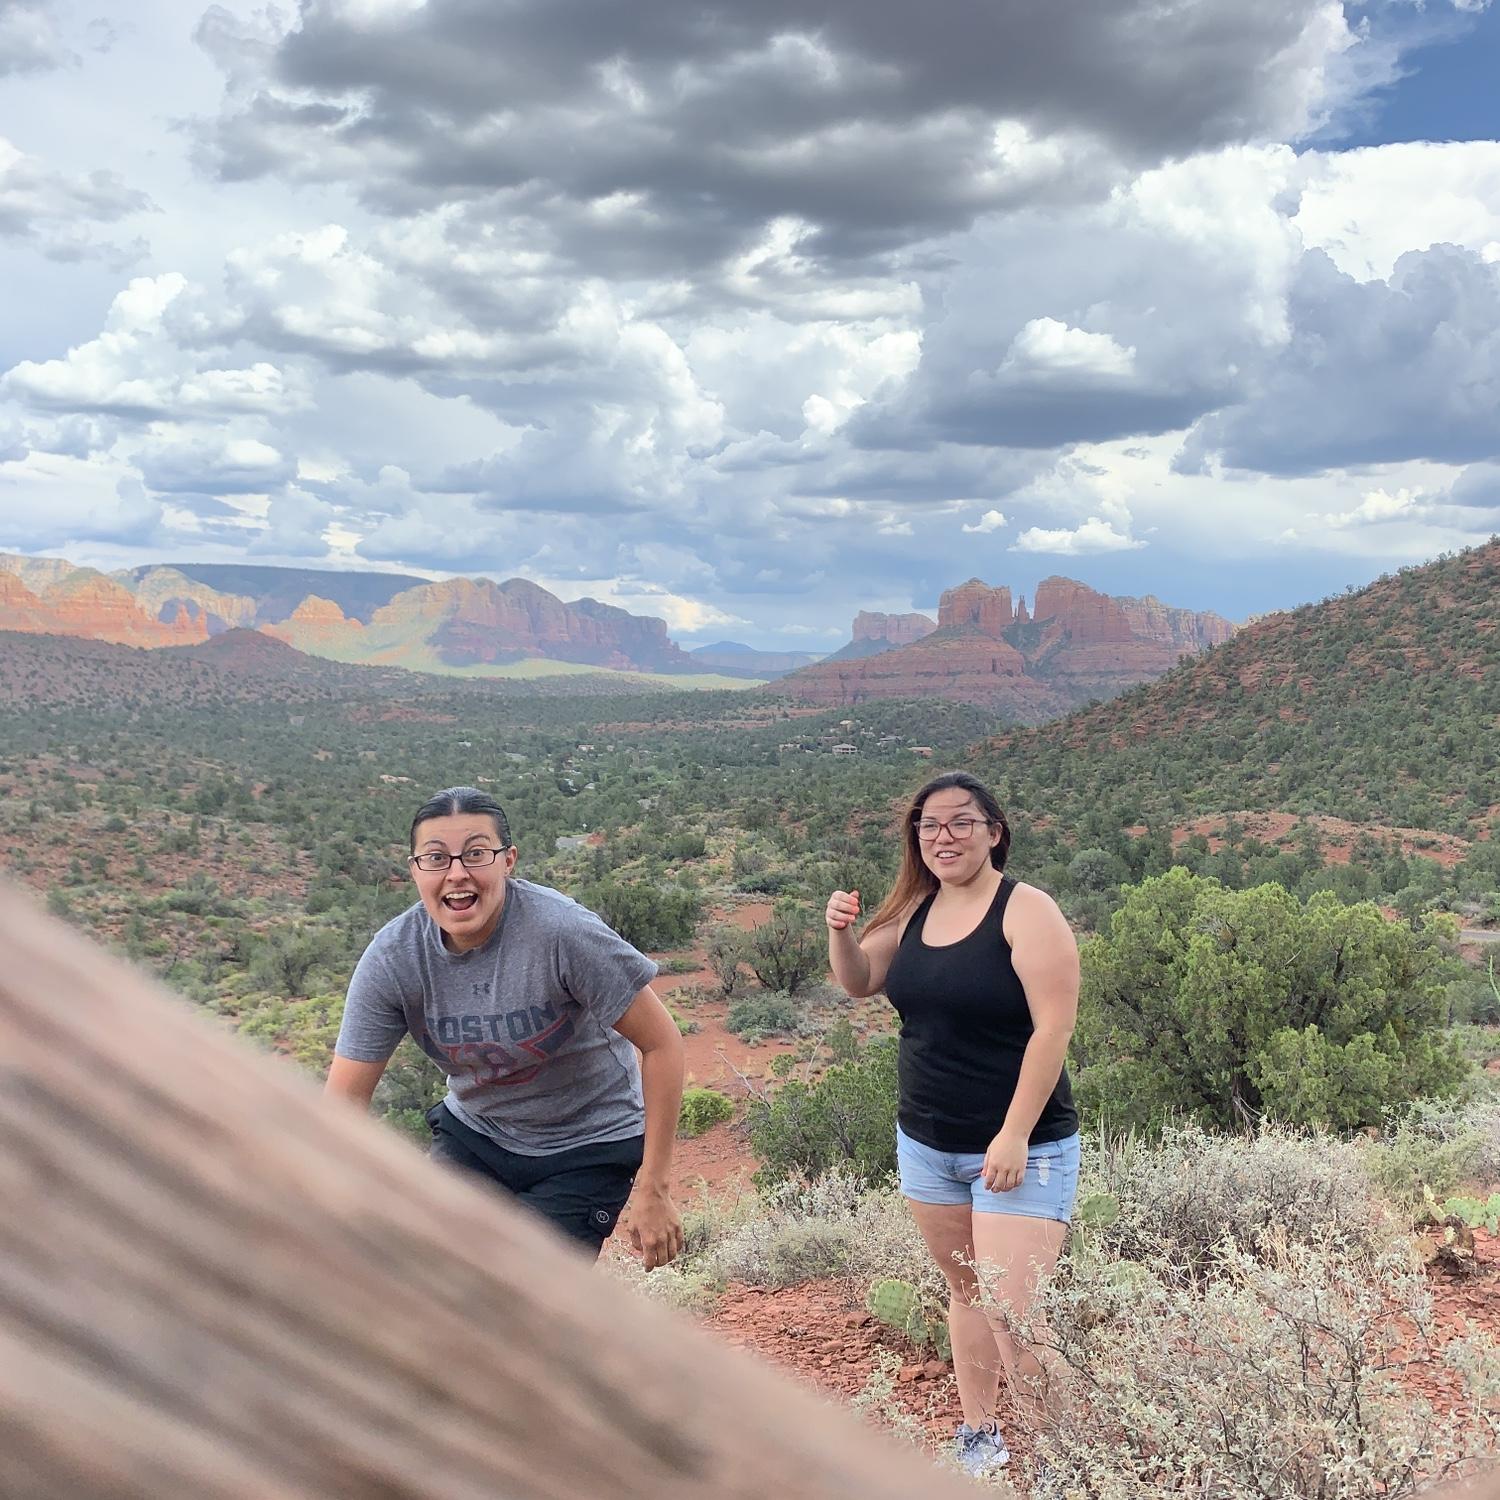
{"points": [[843, 910]]}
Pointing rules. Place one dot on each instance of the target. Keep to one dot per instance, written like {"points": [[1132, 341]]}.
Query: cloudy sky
{"points": [[751, 316]]}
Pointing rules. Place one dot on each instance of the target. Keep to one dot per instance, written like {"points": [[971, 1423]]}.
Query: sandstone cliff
{"points": [[468, 622], [1075, 644], [82, 602], [975, 605], [162, 592], [891, 630]]}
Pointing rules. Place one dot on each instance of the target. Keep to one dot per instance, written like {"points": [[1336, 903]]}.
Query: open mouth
{"points": [[458, 901]]}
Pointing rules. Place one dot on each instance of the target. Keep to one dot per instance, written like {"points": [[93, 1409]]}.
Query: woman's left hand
{"points": [[655, 1226], [1005, 1163]]}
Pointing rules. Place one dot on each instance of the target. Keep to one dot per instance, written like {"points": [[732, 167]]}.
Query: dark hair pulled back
{"points": [[455, 801]]}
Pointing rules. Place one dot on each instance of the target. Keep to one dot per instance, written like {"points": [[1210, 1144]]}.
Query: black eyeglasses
{"points": [[475, 857], [961, 828]]}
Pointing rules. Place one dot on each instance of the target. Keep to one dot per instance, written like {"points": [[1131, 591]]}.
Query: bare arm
{"points": [[655, 1224], [860, 966], [353, 1080], [1045, 955]]}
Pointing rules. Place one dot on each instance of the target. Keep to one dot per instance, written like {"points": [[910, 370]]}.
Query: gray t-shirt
{"points": [[522, 1026]]}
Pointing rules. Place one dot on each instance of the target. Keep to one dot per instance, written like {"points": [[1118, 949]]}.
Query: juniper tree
{"points": [[1230, 1006]]}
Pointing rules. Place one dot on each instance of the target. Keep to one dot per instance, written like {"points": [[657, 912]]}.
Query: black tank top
{"points": [[964, 1026]]}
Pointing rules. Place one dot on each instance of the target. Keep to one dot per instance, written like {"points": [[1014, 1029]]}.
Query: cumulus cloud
{"points": [[1093, 535], [137, 368], [1373, 372], [1046, 348], [1367, 208], [1377, 506], [58, 213], [213, 465], [991, 520], [30, 41], [50, 501], [678, 146]]}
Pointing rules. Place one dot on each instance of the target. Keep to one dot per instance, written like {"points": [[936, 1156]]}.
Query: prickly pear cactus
{"points": [[940, 1340], [893, 1301], [1097, 1211]]}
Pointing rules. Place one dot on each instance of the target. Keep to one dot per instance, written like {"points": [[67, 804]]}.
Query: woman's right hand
{"points": [[842, 911]]}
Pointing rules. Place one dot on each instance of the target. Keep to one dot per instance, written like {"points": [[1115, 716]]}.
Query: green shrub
{"points": [[702, 1109], [1235, 1006], [647, 915], [765, 1014], [846, 1119], [788, 949], [1440, 1144]]}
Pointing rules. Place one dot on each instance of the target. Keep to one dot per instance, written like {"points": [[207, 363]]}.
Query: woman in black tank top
{"points": [[983, 972]]}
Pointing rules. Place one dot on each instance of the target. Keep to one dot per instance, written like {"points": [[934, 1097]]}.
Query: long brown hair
{"points": [[915, 880]]}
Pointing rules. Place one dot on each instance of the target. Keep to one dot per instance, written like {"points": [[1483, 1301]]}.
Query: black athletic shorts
{"points": [[580, 1191]]}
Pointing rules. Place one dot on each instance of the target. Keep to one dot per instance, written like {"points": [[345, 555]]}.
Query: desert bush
{"points": [[841, 1040], [1184, 1196], [648, 915], [702, 1109], [724, 951], [1444, 1144], [1280, 1375], [766, 1014], [788, 949], [847, 1118], [683, 1284]]}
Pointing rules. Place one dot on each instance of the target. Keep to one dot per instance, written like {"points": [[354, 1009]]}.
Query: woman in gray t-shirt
{"points": [[534, 1008]]}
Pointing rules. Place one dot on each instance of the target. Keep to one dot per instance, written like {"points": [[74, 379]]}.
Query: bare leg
{"points": [[948, 1231], [1014, 1254]]}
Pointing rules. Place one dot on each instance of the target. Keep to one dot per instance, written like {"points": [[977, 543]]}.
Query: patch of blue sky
{"points": [[1446, 83]]}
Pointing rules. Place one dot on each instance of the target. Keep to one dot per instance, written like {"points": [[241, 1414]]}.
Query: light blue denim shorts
{"points": [[1048, 1191]]}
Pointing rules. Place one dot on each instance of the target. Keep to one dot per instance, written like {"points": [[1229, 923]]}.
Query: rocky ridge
{"points": [[82, 602], [1075, 644]]}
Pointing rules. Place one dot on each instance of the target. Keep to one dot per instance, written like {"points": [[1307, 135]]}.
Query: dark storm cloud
{"points": [[1374, 372], [668, 134]]}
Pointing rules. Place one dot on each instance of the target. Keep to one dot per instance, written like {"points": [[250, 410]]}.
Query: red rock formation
{"points": [[318, 611], [1188, 630], [20, 609], [160, 592], [468, 621], [85, 603], [966, 667], [1078, 644], [975, 604], [1022, 618], [1084, 613], [894, 630]]}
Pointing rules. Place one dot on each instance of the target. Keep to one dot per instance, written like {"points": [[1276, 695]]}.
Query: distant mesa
{"points": [[875, 632], [66, 600], [891, 630], [1074, 645], [732, 659], [471, 622]]}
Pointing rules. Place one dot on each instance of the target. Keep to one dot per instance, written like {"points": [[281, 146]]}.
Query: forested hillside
{"points": [[1379, 706]]}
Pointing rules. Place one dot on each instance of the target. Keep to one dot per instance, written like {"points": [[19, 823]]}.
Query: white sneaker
{"points": [[980, 1452]]}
